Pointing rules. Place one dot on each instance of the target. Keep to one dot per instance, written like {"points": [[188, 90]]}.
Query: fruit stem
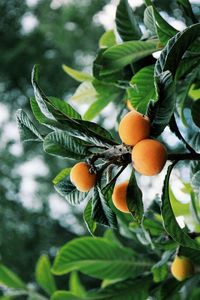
{"points": [[183, 156]]}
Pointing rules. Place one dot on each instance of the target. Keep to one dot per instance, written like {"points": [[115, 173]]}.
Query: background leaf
{"points": [[75, 285], [77, 75], [10, 279], [44, 276]]}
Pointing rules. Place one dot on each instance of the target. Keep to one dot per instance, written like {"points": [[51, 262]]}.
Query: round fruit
{"points": [[133, 128], [149, 157], [182, 268], [81, 177], [119, 196]]}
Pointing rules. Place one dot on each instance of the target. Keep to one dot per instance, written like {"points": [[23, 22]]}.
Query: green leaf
{"points": [[138, 94], [87, 216], [196, 112], [64, 108], [98, 67], [75, 285], [59, 143], [107, 39], [62, 174], [131, 289], [149, 21], [44, 276], [134, 199], [40, 97], [126, 22], [66, 189], [187, 8], [106, 93], [97, 257], [77, 75], [10, 279], [28, 132], [161, 111], [171, 225], [164, 30], [87, 131], [117, 57], [64, 295], [169, 288], [160, 269], [101, 211], [85, 93], [172, 53]]}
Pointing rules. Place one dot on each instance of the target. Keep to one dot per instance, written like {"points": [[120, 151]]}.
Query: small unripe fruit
{"points": [[81, 177], [182, 268], [133, 128], [119, 196], [149, 157]]}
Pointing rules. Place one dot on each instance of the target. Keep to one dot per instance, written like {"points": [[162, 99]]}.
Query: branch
{"points": [[183, 156]]}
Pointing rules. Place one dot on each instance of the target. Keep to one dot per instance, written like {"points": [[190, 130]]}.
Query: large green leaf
{"points": [[97, 257], [59, 143], [28, 132], [126, 22], [101, 211], [10, 279], [87, 216], [77, 75], [66, 189], [44, 276], [134, 199], [139, 95], [149, 21], [171, 225], [117, 57]]}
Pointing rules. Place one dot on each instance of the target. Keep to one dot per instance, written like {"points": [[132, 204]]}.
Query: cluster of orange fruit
{"points": [[148, 156]]}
